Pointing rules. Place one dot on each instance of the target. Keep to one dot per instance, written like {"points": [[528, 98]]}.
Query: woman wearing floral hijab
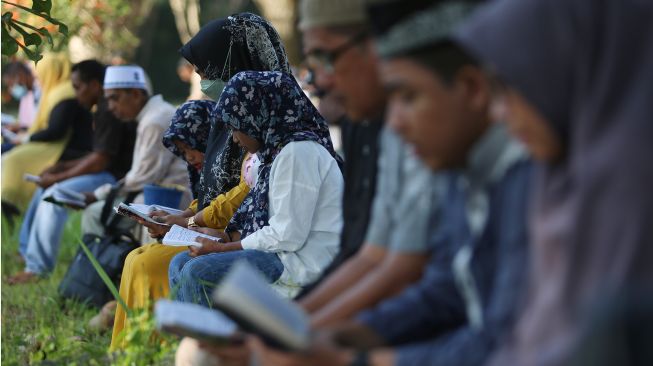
{"points": [[289, 224]]}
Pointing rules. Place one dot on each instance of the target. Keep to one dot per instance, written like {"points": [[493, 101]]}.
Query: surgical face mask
{"points": [[18, 91], [212, 88]]}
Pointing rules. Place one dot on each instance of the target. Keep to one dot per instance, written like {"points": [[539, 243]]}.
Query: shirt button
{"points": [[366, 183]]}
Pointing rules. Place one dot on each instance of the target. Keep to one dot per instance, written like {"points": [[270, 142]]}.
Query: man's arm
{"points": [[341, 280], [91, 163], [397, 270]]}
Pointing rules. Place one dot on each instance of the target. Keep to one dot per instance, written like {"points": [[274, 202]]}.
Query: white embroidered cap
{"points": [[125, 77]]}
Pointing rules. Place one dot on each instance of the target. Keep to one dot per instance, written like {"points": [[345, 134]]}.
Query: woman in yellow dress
{"points": [[53, 73]]}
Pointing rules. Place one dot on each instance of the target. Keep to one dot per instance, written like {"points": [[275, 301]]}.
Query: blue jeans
{"points": [[193, 279], [40, 233]]}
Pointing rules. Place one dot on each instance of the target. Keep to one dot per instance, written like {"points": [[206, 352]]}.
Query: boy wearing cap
{"points": [[113, 143], [127, 92]]}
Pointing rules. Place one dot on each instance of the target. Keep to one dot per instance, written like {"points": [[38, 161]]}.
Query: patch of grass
{"points": [[41, 328], [38, 326]]}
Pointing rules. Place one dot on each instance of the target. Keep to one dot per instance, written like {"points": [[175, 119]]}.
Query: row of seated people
{"points": [[420, 252]]}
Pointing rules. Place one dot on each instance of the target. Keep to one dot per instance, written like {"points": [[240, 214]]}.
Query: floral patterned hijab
{"points": [[273, 109], [191, 125]]}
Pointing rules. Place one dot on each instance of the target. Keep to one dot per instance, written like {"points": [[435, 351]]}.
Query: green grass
{"points": [[37, 324], [41, 328]]}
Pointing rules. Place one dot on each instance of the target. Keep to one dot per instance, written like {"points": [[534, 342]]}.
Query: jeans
{"points": [[193, 279], [40, 233]]}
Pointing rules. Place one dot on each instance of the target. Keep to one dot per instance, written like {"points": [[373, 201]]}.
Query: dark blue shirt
{"points": [[434, 322]]}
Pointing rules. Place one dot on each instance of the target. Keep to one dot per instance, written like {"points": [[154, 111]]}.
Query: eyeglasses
{"points": [[325, 60]]}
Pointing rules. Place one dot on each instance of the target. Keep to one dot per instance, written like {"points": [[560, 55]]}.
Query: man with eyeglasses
{"points": [[339, 51]]}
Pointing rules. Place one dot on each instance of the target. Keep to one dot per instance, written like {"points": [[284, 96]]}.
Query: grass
{"points": [[41, 328], [38, 326]]}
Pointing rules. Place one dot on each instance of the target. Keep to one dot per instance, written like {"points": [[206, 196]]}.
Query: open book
{"points": [[179, 236], [192, 320], [65, 197], [147, 209], [247, 298], [31, 178], [136, 212]]}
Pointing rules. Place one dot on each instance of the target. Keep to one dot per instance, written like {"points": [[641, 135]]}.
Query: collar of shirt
{"points": [[489, 160]]}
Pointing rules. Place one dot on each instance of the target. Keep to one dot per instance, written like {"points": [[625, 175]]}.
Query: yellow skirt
{"points": [[32, 158], [144, 280]]}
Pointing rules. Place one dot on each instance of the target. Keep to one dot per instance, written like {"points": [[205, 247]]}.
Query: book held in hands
{"points": [[179, 236], [248, 299], [196, 321], [31, 178], [64, 197], [137, 212]]}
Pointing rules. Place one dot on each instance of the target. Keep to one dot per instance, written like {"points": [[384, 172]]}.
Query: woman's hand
{"points": [[159, 231], [166, 218], [156, 231], [212, 232], [212, 246]]}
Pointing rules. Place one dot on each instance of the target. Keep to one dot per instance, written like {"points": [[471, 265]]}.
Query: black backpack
{"points": [[82, 282]]}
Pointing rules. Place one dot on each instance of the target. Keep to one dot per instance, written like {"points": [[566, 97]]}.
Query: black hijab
{"points": [[222, 48]]}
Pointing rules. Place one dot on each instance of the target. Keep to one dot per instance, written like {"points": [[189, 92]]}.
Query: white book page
{"points": [[147, 209], [32, 178], [179, 236], [193, 320]]}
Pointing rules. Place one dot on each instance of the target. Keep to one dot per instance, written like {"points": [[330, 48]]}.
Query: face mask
{"points": [[212, 88], [18, 91]]}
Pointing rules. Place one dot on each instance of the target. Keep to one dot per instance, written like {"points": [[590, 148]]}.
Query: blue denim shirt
{"points": [[448, 318]]}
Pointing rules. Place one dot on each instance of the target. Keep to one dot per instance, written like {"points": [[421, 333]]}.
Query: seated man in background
{"points": [[126, 90], [113, 142]]}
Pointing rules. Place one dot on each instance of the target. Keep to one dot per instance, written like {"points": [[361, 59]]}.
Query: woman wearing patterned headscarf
{"points": [[289, 224], [236, 43]]}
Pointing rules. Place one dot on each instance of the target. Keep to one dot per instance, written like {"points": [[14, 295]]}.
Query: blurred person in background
{"points": [[22, 85], [113, 144], [61, 131], [129, 99], [186, 73]]}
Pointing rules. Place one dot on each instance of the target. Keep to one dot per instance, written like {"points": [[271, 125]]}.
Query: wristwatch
{"points": [[191, 222]]}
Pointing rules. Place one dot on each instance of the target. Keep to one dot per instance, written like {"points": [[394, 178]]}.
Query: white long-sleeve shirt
{"points": [[305, 217]]}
